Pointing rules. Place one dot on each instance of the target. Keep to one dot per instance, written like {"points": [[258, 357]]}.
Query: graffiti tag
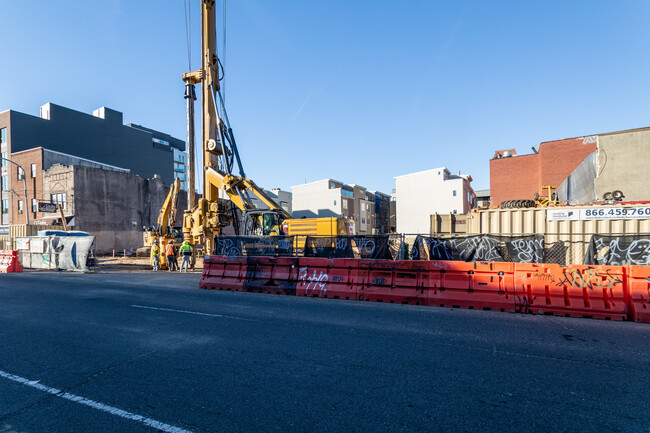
{"points": [[316, 282], [589, 279]]}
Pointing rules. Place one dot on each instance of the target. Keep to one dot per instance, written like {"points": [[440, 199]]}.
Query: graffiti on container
{"points": [[226, 247], [618, 252], [522, 304], [316, 282], [379, 281], [528, 250], [589, 279]]}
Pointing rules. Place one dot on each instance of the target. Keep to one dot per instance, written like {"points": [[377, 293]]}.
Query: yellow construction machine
{"points": [[164, 231], [227, 197]]}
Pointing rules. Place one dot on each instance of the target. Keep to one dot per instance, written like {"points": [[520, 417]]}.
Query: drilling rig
{"points": [[226, 189]]}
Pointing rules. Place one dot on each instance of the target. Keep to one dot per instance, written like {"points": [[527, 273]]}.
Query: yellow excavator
{"points": [[226, 195], [165, 229]]}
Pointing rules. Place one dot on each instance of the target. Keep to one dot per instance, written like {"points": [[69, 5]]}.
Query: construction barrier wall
{"points": [[599, 292]]}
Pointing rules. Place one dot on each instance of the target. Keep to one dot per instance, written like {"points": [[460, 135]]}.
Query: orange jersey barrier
{"points": [[223, 273], [401, 281], [601, 292], [327, 278], [474, 285], [638, 284], [9, 262], [272, 275]]}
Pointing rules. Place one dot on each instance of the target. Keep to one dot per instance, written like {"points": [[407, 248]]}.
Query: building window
{"points": [[20, 206], [4, 159], [34, 205], [5, 183], [345, 204], [33, 171], [5, 206], [454, 193], [334, 202], [59, 199], [21, 173], [347, 193], [3, 135]]}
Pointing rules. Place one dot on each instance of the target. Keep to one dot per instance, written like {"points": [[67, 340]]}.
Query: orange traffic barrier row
{"points": [[597, 292], [9, 262], [600, 292]]}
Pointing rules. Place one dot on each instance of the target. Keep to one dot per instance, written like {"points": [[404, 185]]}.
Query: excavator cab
{"points": [[263, 223]]}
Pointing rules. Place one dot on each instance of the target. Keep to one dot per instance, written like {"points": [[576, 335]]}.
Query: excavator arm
{"points": [[238, 188], [167, 215]]}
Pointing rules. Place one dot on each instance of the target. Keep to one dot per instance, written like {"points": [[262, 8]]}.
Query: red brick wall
{"points": [[520, 177], [34, 185], [559, 158], [513, 178]]}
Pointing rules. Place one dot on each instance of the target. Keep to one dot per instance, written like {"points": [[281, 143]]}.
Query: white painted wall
{"points": [[421, 194], [315, 199]]}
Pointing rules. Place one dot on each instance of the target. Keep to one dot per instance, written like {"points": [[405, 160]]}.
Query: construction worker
{"points": [[186, 255], [155, 255], [172, 264]]}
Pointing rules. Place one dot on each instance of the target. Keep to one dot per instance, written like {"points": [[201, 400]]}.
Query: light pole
{"points": [[24, 185]]}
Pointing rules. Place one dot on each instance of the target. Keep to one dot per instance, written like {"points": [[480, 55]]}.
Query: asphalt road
{"points": [[145, 352]]}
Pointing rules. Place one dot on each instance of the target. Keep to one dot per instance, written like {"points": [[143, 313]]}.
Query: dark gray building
{"points": [[99, 137]]}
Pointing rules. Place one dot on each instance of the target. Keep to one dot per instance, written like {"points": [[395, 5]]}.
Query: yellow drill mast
{"points": [[209, 216]]}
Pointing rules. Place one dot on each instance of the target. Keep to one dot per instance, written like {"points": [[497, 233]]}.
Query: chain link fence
{"points": [[558, 248]]}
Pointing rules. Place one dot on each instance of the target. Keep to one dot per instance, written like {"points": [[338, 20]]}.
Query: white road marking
{"points": [[95, 404], [197, 313]]}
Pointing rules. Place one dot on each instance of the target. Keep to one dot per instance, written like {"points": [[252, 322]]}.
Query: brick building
{"points": [[69, 137], [514, 177]]}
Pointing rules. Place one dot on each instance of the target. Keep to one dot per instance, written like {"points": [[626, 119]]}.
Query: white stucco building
{"points": [[332, 198], [422, 194]]}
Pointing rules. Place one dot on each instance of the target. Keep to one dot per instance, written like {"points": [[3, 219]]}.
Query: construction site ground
{"points": [[133, 264]]}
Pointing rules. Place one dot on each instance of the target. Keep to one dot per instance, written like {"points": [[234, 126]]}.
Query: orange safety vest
{"points": [[169, 250]]}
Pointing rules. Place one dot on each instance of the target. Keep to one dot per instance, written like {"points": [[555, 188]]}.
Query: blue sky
{"points": [[360, 91]]}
